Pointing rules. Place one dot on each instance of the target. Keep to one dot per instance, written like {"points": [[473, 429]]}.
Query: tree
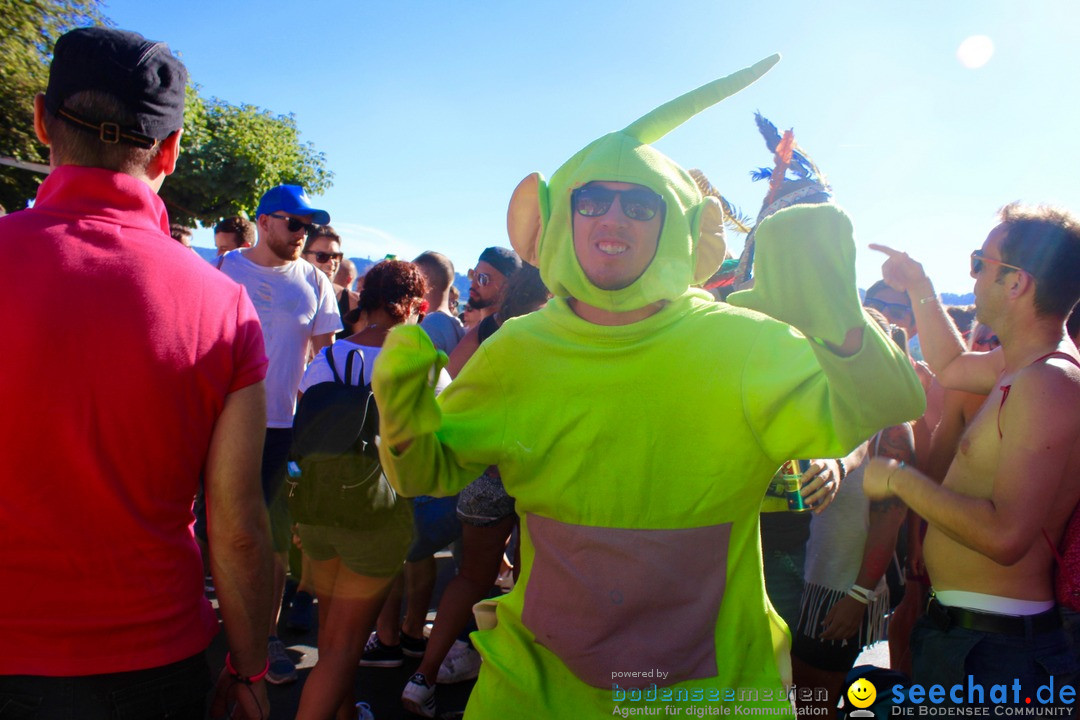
{"points": [[230, 155], [30, 28]]}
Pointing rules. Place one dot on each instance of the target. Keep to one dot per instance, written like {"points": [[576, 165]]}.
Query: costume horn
{"points": [[659, 122]]}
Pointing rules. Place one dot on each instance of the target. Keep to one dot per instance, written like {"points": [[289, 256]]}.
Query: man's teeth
{"points": [[611, 248]]}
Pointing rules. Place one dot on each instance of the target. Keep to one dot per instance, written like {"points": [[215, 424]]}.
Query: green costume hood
{"points": [[691, 245]]}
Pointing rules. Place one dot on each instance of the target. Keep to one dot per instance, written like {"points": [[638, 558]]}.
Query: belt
{"points": [[945, 617]]}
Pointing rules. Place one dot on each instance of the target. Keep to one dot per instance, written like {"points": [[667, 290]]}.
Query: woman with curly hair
{"points": [[352, 570]]}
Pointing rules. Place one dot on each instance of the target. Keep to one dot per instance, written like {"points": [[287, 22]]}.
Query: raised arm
{"points": [[240, 556], [942, 345]]}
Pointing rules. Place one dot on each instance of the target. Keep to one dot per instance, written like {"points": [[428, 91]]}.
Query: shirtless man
{"points": [[1016, 475]]}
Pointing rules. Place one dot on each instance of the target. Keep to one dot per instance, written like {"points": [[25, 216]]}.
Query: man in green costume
{"points": [[638, 423]]}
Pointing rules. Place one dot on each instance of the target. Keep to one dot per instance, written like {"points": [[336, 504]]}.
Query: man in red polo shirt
{"points": [[117, 394]]}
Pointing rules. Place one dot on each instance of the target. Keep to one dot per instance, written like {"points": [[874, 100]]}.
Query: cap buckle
{"points": [[110, 133]]}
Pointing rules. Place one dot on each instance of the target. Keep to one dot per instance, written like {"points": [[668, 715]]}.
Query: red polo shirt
{"points": [[120, 346]]}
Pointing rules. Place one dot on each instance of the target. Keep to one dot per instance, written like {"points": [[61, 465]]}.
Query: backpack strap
{"points": [[1006, 388], [349, 367], [333, 368]]}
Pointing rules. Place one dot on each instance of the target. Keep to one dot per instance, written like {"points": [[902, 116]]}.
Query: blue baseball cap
{"points": [[293, 200]]}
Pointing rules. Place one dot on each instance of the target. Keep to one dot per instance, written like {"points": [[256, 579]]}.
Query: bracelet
{"points": [[857, 592], [900, 465], [928, 299], [240, 678], [843, 468]]}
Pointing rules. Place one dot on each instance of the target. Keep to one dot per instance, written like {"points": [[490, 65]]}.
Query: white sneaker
{"points": [[461, 663], [418, 697], [363, 711]]}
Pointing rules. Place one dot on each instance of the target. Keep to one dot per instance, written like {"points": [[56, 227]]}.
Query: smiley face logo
{"points": [[862, 693]]}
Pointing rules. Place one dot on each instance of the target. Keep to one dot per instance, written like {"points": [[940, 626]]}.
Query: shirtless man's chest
{"points": [[973, 472]]}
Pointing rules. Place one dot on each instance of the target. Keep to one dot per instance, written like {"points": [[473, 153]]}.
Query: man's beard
{"points": [[284, 249], [479, 303]]}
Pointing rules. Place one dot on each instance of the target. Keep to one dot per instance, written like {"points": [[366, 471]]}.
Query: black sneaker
{"points": [[378, 655], [413, 647]]}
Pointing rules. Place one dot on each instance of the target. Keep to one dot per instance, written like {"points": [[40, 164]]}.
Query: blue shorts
{"points": [[947, 657], [435, 525]]}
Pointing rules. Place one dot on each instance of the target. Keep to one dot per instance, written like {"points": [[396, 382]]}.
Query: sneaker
{"points": [[363, 711], [302, 614], [282, 668], [461, 663], [378, 655], [418, 697], [412, 646]]}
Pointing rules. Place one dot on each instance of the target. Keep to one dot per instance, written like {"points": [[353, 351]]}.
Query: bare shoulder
{"points": [[1045, 396]]}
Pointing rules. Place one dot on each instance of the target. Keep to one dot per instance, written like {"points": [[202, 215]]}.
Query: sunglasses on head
{"points": [[480, 278], [323, 257], [980, 261], [886, 307], [637, 203], [294, 224]]}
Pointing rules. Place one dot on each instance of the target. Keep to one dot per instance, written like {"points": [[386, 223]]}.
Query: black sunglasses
{"points": [[637, 203], [323, 257], [294, 224]]}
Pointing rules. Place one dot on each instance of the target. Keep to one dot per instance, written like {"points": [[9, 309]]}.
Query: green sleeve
{"points": [[469, 438], [804, 401]]}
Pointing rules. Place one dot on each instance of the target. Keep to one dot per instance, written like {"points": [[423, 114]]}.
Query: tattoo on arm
{"points": [[897, 442]]}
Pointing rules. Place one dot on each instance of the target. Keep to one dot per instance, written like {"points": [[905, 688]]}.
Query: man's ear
{"points": [[526, 216], [710, 248], [1021, 283], [169, 153], [39, 118]]}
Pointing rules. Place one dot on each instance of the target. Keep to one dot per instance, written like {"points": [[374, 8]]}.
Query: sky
{"points": [[430, 112]]}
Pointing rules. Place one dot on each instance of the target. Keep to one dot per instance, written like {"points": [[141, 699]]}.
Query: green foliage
{"points": [[230, 155], [28, 30]]}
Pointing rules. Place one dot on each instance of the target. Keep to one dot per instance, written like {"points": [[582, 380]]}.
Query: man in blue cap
{"points": [[296, 306]]}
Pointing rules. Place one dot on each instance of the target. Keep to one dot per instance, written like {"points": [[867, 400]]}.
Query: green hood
{"points": [[691, 245]]}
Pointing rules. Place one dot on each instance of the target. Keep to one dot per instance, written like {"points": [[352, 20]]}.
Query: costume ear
{"points": [[709, 254], [526, 216]]}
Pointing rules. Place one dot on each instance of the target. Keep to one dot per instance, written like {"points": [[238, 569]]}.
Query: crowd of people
{"points": [[601, 420]]}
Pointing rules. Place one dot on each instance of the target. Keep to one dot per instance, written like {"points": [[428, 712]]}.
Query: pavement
{"points": [[379, 687]]}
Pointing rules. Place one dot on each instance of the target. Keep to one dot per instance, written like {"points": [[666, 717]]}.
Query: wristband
{"points": [[928, 299], [900, 465], [861, 594], [240, 678]]}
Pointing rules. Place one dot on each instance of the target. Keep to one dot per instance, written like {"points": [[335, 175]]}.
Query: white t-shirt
{"points": [[319, 370], [295, 302]]}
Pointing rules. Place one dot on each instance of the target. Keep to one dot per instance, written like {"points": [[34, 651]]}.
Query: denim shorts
{"points": [[484, 502], [177, 690], [948, 656], [275, 461], [435, 525]]}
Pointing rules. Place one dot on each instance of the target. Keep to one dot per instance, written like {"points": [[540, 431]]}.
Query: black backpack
{"points": [[340, 481]]}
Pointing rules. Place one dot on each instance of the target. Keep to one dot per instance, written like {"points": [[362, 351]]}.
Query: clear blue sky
{"points": [[430, 112]]}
